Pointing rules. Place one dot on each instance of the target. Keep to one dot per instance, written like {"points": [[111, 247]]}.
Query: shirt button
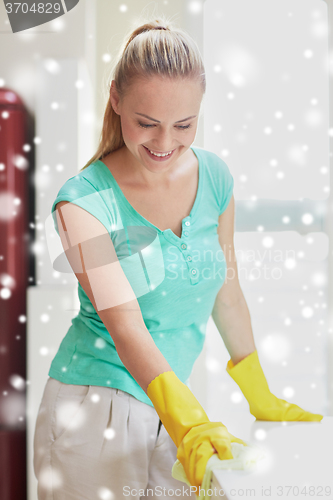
{"points": [[194, 271], [189, 258], [184, 245], [185, 233], [187, 223]]}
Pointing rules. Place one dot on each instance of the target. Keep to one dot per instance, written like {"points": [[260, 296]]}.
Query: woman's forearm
{"points": [[141, 356], [234, 325]]}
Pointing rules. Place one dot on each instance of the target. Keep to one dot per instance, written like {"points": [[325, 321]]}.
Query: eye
{"points": [[184, 127], [181, 127], [144, 125]]}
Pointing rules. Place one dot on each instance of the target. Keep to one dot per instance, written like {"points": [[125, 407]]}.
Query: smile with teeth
{"points": [[158, 154]]}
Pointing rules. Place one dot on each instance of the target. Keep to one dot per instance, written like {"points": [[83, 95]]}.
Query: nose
{"points": [[163, 141]]}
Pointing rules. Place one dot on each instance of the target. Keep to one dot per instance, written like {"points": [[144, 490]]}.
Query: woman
{"points": [[117, 410]]}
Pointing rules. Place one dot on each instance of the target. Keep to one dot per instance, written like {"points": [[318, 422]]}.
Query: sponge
{"points": [[244, 458]]}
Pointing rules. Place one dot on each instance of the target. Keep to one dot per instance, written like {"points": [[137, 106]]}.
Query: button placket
{"points": [[194, 277], [193, 272], [183, 247], [186, 225]]}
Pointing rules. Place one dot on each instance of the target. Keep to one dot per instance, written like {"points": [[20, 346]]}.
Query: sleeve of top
{"points": [[81, 192], [226, 185]]}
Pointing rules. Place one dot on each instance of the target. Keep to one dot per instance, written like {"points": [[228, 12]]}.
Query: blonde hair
{"points": [[155, 48]]}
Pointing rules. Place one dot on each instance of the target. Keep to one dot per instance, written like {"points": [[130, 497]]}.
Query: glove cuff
{"points": [[250, 360], [248, 375], [176, 405]]}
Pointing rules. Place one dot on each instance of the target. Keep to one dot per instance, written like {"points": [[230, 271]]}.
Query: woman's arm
{"points": [[92, 257], [234, 325], [230, 312], [232, 318]]}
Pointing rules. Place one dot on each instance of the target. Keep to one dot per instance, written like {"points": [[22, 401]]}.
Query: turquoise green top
{"points": [[175, 280]]}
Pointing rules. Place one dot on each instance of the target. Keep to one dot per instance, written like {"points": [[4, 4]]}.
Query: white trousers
{"points": [[101, 443]]}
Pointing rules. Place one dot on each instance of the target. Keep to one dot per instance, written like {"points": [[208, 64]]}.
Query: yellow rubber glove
{"points": [[195, 436], [251, 380]]}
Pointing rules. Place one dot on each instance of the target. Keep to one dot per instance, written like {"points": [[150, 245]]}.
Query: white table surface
{"points": [[299, 455]]}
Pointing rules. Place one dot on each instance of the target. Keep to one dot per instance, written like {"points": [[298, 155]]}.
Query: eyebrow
{"points": [[153, 119]]}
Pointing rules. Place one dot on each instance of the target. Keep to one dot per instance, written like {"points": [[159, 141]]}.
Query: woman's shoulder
{"points": [[79, 191], [89, 190], [206, 154], [85, 180], [212, 162]]}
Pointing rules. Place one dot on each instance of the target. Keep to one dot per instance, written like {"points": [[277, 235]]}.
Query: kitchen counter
{"points": [[298, 463]]}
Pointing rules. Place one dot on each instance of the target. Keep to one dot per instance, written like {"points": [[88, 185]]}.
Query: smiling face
{"points": [[160, 115]]}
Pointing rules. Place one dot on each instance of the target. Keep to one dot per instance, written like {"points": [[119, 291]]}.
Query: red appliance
{"points": [[14, 270]]}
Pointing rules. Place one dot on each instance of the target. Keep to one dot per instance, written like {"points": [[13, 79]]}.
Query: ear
{"points": [[114, 98]]}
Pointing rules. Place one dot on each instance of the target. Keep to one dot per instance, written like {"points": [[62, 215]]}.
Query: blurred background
{"points": [[266, 113]]}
